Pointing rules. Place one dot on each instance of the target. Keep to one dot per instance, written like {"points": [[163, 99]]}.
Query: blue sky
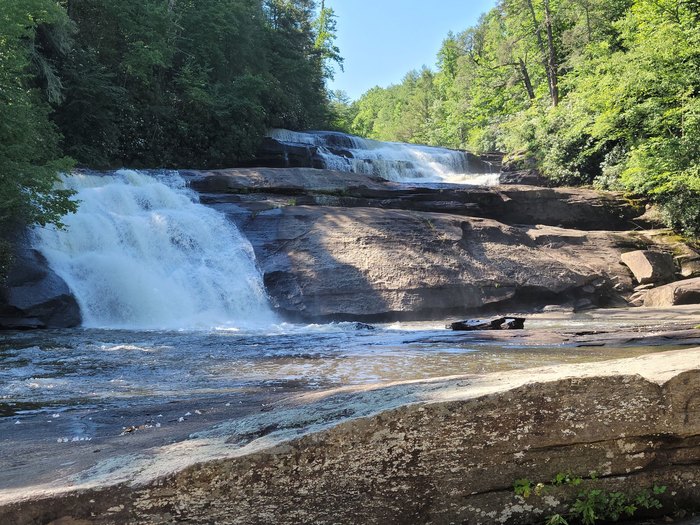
{"points": [[381, 40]]}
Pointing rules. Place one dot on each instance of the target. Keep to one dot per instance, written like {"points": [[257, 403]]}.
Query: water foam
{"points": [[395, 161], [142, 252]]}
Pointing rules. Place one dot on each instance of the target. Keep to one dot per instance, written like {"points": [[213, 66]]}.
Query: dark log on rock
{"points": [[496, 323]]}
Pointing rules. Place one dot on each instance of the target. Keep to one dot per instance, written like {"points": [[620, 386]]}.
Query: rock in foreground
{"points": [[678, 293], [442, 451]]}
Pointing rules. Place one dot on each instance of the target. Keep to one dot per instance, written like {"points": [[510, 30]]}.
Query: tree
{"points": [[30, 158]]}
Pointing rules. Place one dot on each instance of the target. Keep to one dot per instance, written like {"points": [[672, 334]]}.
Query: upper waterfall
{"points": [[395, 161], [141, 252]]}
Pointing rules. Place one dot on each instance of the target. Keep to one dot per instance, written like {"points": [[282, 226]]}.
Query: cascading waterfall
{"points": [[141, 252], [394, 161]]}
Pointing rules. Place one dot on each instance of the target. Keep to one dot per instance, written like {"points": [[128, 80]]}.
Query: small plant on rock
{"points": [[523, 487]]}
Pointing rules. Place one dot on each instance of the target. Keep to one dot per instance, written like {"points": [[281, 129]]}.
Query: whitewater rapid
{"points": [[394, 161], [142, 253]]}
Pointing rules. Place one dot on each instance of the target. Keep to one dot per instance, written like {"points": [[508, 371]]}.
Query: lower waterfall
{"points": [[142, 252]]}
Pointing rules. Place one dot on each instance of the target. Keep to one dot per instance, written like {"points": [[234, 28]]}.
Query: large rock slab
{"points": [[577, 208], [649, 266], [367, 263], [678, 293], [440, 451]]}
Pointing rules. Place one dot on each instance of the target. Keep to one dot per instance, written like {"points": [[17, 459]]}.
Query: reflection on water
{"points": [[52, 370]]}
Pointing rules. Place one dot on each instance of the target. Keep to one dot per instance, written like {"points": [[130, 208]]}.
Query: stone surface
{"points": [[528, 177], [678, 293], [577, 208], [34, 296], [323, 263], [689, 265], [441, 451], [649, 266], [340, 246]]}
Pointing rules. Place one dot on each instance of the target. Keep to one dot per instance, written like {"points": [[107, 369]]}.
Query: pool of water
{"points": [[63, 369]]}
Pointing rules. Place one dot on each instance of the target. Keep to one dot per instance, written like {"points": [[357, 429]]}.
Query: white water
{"points": [[395, 161], [143, 253]]}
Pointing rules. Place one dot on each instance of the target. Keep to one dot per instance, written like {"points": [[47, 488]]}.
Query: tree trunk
{"points": [[552, 66], [526, 79]]}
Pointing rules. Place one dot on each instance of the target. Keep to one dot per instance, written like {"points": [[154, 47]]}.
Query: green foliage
{"points": [[556, 519], [30, 157], [596, 505], [592, 505], [190, 83], [566, 478], [523, 487], [154, 83], [627, 108]]}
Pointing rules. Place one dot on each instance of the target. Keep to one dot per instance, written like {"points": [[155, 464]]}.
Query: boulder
{"points": [[680, 292], [689, 265], [34, 296], [329, 263], [523, 177], [649, 266]]}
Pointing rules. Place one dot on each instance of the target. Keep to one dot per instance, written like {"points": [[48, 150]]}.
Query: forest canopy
{"points": [[603, 92], [149, 83]]}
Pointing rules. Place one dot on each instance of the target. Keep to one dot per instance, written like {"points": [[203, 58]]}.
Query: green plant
{"points": [[595, 504], [567, 478], [647, 498], [523, 487], [592, 505]]}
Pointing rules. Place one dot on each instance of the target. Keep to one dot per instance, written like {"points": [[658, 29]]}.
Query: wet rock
{"points": [[275, 154], [678, 293], [649, 266], [495, 323], [34, 296]]}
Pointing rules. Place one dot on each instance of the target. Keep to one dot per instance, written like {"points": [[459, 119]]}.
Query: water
{"points": [[91, 368], [394, 161], [141, 252]]}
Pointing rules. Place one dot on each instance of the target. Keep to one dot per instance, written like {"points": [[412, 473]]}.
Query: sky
{"points": [[382, 40]]}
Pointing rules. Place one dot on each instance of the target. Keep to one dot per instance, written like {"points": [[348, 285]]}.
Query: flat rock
{"points": [[649, 266], [678, 293], [578, 208]]}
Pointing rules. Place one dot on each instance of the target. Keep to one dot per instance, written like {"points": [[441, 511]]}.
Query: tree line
{"points": [[602, 92], [149, 83]]}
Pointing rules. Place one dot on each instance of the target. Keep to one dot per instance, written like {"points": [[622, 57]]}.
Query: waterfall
{"points": [[142, 252], [394, 161]]}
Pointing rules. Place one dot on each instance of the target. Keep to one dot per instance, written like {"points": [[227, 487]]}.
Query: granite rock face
{"points": [[575, 208], [444, 451], [337, 246], [349, 263]]}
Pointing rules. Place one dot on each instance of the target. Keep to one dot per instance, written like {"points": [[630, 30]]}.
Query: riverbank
{"points": [[375, 434]]}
